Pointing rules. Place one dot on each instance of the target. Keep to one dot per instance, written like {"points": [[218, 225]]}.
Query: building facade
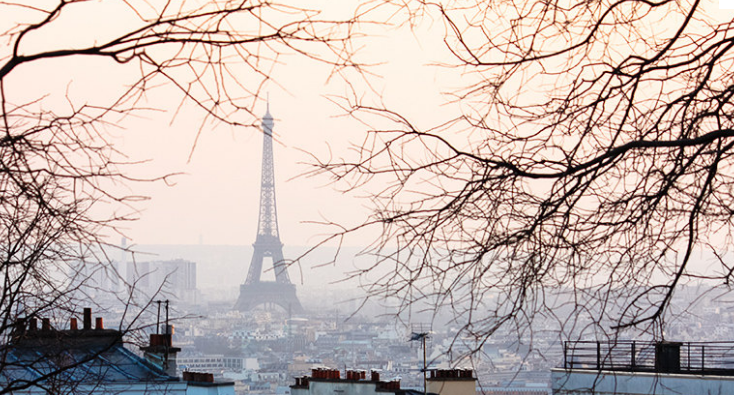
{"points": [[175, 278], [645, 368], [355, 382]]}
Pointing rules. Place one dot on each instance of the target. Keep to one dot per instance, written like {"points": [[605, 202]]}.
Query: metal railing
{"points": [[670, 357]]}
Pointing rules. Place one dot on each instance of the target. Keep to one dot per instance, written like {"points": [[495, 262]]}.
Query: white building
{"points": [[579, 382], [645, 368], [329, 382], [175, 279]]}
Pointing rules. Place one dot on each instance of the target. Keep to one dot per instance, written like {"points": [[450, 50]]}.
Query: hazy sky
{"points": [[215, 200]]}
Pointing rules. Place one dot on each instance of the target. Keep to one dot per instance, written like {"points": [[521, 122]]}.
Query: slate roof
{"points": [[73, 356]]}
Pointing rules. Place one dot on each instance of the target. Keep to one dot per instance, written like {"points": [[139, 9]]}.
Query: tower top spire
{"points": [[267, 124], [267, 107]]}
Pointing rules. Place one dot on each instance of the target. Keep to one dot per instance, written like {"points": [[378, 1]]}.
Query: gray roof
{"points": [[43, 358]]}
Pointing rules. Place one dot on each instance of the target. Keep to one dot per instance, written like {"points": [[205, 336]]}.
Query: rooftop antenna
{"points": [[422, 335], [168, 330], [158, 318]]}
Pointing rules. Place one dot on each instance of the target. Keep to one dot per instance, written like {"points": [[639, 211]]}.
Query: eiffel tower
{"points": [[255, 292]]}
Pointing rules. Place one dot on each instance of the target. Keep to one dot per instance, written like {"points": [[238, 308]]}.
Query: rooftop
{"points": [[700, 358], [35, 355]]}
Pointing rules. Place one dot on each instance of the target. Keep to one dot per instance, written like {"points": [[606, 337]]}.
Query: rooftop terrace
{"points": [[707, 358]]}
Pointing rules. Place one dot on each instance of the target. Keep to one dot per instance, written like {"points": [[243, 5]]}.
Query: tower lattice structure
{"points": [[255, 292]]}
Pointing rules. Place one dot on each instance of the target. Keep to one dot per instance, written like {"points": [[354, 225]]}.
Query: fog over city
{"points": [[366, 197]]}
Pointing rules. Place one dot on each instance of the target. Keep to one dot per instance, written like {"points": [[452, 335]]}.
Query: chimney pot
{"points": [[87, 318]]}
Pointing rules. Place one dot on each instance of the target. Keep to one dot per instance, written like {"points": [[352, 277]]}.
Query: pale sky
{"points": [[216, 199]]}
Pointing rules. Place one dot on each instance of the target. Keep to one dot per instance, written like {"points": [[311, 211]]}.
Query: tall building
{"points": [[173, 279], [96, 278]]}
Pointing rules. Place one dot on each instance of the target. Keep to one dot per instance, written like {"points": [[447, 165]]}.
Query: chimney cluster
{"points": [[87, 321], [389, 385], [356, 375], [198, 377], [325, 373], [351, 375], [73, 325], [452, 374], [161, 339]]}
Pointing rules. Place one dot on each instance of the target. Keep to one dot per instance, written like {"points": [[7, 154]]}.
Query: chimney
{"points": [[99, 325], [452, 382], [33, 324], [72, 324], [19, 328], [161, 352], [87, 319], [302, 381], [198, 377], [389, 385], [45, 324]]}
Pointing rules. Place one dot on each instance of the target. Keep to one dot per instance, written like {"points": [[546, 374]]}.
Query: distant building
{"points": [[94, 361], [175, 279], [216, 363], [96, 278], [329, 381], [645, 368]]}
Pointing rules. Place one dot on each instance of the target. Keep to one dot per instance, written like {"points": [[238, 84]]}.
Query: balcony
{"points": [[700, 358]]}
